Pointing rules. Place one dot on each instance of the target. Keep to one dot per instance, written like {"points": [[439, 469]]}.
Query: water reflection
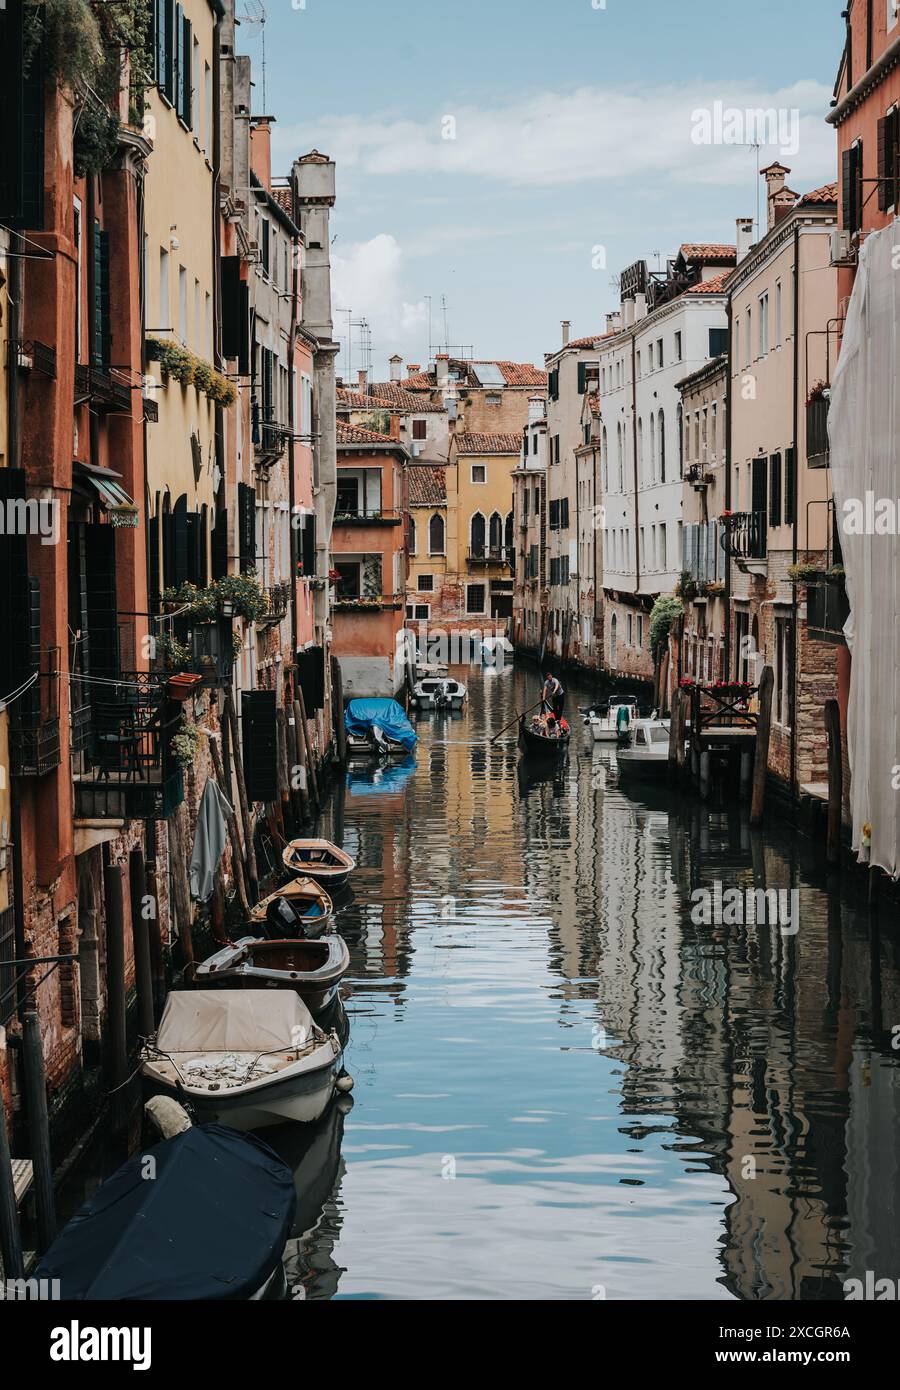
{"points": [[567, 1087]]}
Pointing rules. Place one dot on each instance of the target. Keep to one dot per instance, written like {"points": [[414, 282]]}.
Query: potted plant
{"points": [[185, 742], [182, 686]]}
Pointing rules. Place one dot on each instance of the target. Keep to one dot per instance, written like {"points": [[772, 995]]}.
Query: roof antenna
{"points": [[255, 15]]}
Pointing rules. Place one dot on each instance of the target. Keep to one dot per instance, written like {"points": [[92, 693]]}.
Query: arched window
{"points": [[679, 420], [436, 535], [412, 534], [496, 532], [508, 542], [477, 535], [662, 446], [613, 642], [653, 448], [604, 461]]}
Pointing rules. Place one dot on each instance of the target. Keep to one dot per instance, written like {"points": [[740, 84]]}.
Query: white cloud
{"points": [[588, 135], [368, 279]]}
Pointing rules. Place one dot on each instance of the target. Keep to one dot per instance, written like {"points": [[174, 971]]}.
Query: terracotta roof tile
{"points": [[709, 253], [401, 398], [355, 434], [284, 198], [488, 443], [714, 286], [826, 194], [427, 485]]}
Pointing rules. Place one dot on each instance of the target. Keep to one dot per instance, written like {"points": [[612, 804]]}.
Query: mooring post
{"points": [[337, 710], [763, 732], [10, 1239], [835, 781], [38, 1128]]}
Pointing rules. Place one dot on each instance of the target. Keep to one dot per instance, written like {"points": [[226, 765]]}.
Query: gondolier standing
{"points": [[553, 694]]}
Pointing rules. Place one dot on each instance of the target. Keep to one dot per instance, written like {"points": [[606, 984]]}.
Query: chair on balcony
{"points": [[117, 740]]}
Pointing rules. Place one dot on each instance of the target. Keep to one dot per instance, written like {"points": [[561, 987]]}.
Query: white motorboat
{"points": [[244, 1058], [616, 723], [439, 693], [648, 755], [430, 670]]}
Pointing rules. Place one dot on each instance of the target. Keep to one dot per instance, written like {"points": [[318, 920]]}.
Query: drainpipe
{"points": [[729, 430], [634, 445], [792, 682]]}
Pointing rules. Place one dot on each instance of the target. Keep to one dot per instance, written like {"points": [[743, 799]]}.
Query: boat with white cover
{"points": [[244, 1058], [648, 755], [444, 693]]}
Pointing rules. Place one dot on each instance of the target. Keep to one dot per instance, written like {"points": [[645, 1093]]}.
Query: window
{"points": [[662, 549], [420, 429], [764, 325], [775, 490], [349, 581], [412, 535], [207, 93], [101, 330], [748, 338], [662, 446], [640, 632], [679, 353], [493, 399], [629, 628], [893, 12], [477, 534], [776, 335], [852, 196], [781, 693], [888, 159], [479, 473], [659, 353], [418, 612], [182, 304], [79, 274], [425, 583], [638, 367], [195, 78], [436, 535], [475, 598], [613, 647]]}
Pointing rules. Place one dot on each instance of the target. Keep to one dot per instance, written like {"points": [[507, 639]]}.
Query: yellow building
{"points": [[480, 550], [180, 241]]}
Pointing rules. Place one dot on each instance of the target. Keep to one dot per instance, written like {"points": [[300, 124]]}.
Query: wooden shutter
{"points": [[775, 490], [186, 75], [308, 552], [759, 485], [153, 550], [883, 172], [259, 744], [180, 571], [102, 613], [790, 486], [159, 44], [246, 527], [234, 309], [102, 328], [847, 191], [220, 545], [582, 378], [311, 677]]}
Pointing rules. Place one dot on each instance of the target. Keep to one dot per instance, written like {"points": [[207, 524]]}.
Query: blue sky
{"points": [[575, 147]]}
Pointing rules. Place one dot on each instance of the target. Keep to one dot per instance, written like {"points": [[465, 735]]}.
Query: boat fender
{"points": [[167, 1116], [344, 1083]]}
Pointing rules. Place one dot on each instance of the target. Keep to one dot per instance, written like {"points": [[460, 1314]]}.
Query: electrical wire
{"points": [[15, 694]]}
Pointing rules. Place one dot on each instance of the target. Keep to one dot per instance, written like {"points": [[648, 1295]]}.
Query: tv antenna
{"points": [[254, 15]]}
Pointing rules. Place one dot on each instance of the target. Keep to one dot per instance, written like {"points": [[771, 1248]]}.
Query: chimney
{"points": [[396, 365], [261, 149], [536, 409], [744, 238], [442, 368], [313, 180], [640, 307], [774, 176], [363, 378], [394, 430], [628, 312], [566, 329], [412, 368], [614, 322]]}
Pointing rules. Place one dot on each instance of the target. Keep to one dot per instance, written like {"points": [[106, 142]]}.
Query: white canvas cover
{"points": [[249, 1020], [864, 426]]}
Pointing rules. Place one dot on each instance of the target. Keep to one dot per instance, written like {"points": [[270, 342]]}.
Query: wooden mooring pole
{"points": [[763, 733], [835, 781], [114, 904], [140, 931], [10, 1239], [39, 1128]]}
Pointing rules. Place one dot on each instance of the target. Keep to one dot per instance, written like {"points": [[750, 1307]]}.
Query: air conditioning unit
{"points": [[843, 252]]}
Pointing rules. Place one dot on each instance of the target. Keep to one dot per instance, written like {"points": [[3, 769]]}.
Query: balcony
{"points": [[490, 555], [34, 356], [34, 747], [818, 449], [827, 610], [186, 645], [106, 389], [279, 600], [747, 536], [270, 436], [121, 763], [366, 516]]}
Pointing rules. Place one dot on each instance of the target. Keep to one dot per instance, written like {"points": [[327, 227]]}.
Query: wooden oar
{"points": [[516, 720]]}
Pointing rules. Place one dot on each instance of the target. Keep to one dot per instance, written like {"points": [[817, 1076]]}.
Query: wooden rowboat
{"points": [[310, 907], [319, 860], [313, 968], [540, 744]]}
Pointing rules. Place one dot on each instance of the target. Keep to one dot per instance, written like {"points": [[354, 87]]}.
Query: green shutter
{"points": [[102, 327]]}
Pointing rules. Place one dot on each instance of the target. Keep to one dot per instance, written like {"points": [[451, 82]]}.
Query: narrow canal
{"points": [[566, 1087]]}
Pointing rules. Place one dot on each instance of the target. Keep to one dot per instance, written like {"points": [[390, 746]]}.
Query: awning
{"points": [[120, 508]]}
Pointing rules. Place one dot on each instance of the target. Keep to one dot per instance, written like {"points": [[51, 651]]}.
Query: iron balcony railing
{"points": [[107, 388], [747, 535], [279, 597], [122, 766], [818, 449], [34, 746], [490, 554], [366, 516]]}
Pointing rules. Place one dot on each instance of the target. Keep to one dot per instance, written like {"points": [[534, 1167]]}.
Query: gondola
{"points": [[541, 745], [314, 969], [320, 860]]}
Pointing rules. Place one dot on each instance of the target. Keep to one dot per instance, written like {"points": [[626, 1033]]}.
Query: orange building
{"points": [[370, 550]]}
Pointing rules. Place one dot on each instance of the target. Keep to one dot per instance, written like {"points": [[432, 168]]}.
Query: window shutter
{"points": [[259, 745], [308, 553], [775, 490], [582, 366], [883, 201], [220, 545], [180, 541], [758, 488], [159, 47], [234, 309], [246, 527], [102, 657], [790, 486], [186, 75], [175, 40], [847, 191], [311, 677], [101, 297]]}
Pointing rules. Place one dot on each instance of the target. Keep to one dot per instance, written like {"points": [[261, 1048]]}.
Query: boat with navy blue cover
{"points": [[211, 1225], [378, 728]]}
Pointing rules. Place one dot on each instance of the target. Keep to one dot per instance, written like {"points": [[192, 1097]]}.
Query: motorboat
{"points": [[298, 908], [313, 968], [534, 737], [246, 1058], [212, 1225], [320, 860], [616, 723], [378, 728], [430, 670], [440, 694], [648, 755]]}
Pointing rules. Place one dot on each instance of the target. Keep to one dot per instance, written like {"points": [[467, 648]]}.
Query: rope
{"points": [[8, 699]]}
